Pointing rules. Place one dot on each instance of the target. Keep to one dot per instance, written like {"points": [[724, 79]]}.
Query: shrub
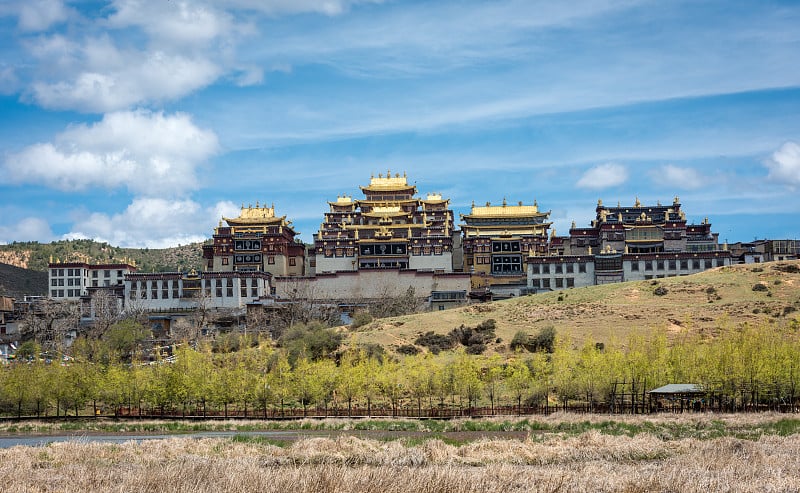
{"points": [[545, 340], [408, 349], [660, 291], [435, 342], [476, 349], [760, 287], [520, 341], [360, 319]]}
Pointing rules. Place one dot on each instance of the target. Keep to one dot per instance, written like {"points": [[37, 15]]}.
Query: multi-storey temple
{"points": [[390, 228], [256, 241], [497, 240], [391, 241], [628, 243]]}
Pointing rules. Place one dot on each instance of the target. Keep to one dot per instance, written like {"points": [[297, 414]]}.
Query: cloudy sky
{"points": [[142, 122]]}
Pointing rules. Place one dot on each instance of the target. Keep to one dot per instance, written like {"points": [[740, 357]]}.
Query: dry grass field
{"points": [[706, 303], [588, 461]]}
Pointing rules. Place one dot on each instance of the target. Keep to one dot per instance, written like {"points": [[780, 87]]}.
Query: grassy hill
{"points": [[705, 303], [17, 282], [35, 256]]}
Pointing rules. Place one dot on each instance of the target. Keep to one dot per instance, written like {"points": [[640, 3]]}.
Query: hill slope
{"points": [[706, 303], [35, 256], [17, 282]]}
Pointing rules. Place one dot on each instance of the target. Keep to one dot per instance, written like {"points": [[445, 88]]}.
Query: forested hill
{"points": [[17, 282], [35, 256]]}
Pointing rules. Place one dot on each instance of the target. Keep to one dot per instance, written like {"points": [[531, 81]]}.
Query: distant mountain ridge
{"points": [[17, 282], [35, 256]]}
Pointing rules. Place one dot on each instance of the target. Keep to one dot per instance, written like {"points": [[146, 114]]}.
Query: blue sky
{"points": [[141, 123]]}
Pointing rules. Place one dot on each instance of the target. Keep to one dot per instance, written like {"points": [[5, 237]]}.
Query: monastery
{"points": [[392, 240]]}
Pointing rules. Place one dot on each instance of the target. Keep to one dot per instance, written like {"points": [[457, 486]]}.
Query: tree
{"points": [[518, 378]]}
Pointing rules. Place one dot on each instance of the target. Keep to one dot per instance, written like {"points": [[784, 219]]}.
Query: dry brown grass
{"points": [[590, 461], [706, 303]]}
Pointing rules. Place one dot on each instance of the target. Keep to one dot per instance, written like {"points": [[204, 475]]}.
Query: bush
{"points": [[435, 342], [314, 340], [476, 349], [760, 287], [660, 291], [360, 319], [408, 350], [543, 341]]}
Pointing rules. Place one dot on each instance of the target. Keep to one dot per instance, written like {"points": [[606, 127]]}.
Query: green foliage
{"points": [[313, 341], [543, 341], [360, 319]]}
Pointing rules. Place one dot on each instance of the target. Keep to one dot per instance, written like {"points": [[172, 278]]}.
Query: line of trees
{"points": [[747, 368]]}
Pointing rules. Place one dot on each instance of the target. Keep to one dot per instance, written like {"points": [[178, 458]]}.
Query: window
{"points": [[535, 268], [224, 260], [506, 264], [672, 265], [559, 282], [708, 263], [106, 273], [54, 282], [271, 260], [54, 293], [119, 273], [684, 264], [634, 266], [210, 263], [254, 291], [218, 293], [660, 265], [94, 274], [60, 272], [546, 283], [720, 262], [582, 268], [570, 268], [570, 282], [229, 292], [535, 283], [292, 261], [696, 264], [648, 266], [154, 292], [559, 269], [546, 270]]}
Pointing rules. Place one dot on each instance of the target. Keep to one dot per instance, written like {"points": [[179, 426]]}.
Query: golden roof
{"points": [[255, 215], [505, 210], [388, 182]]}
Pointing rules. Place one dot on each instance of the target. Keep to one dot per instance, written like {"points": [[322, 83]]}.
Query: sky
{"points": [[142, 123]]}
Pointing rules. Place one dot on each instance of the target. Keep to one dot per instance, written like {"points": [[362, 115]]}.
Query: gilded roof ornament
{"points": [[637, 203], [599, 202]]}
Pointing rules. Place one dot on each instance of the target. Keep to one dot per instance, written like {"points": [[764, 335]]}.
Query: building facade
{"points": [[73, 280], [628, 243], [390, 228], [497, 240], [256, 241], [175, 291]]}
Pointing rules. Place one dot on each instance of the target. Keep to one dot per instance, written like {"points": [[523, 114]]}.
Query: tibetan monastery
{"points": [[496, 241], [390, 228], [642, 229], [257, 240]]}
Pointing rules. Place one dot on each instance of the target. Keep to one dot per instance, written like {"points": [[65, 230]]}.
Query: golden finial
{"points": [[504, 202], [488, 203], [637, 203], [676, 200], [573, 224], [473, 204], [599, 202]]}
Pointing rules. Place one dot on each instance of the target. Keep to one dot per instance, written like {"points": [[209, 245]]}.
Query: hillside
{"points": [[35, 256], [703, 303], [17, 282]]}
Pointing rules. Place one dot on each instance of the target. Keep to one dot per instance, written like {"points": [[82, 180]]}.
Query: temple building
{"points": [[642, 229], [390, 228], [256, 241], [497, 240], [628, 243]]}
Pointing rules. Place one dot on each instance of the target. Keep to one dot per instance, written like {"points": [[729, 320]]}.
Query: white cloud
{"points": [[38, 15], [97, 76], [149, 153], [154, 223], [603, 176], [275, 7], [27, 229], [673, 176], [784, 164], [189, 22]]}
